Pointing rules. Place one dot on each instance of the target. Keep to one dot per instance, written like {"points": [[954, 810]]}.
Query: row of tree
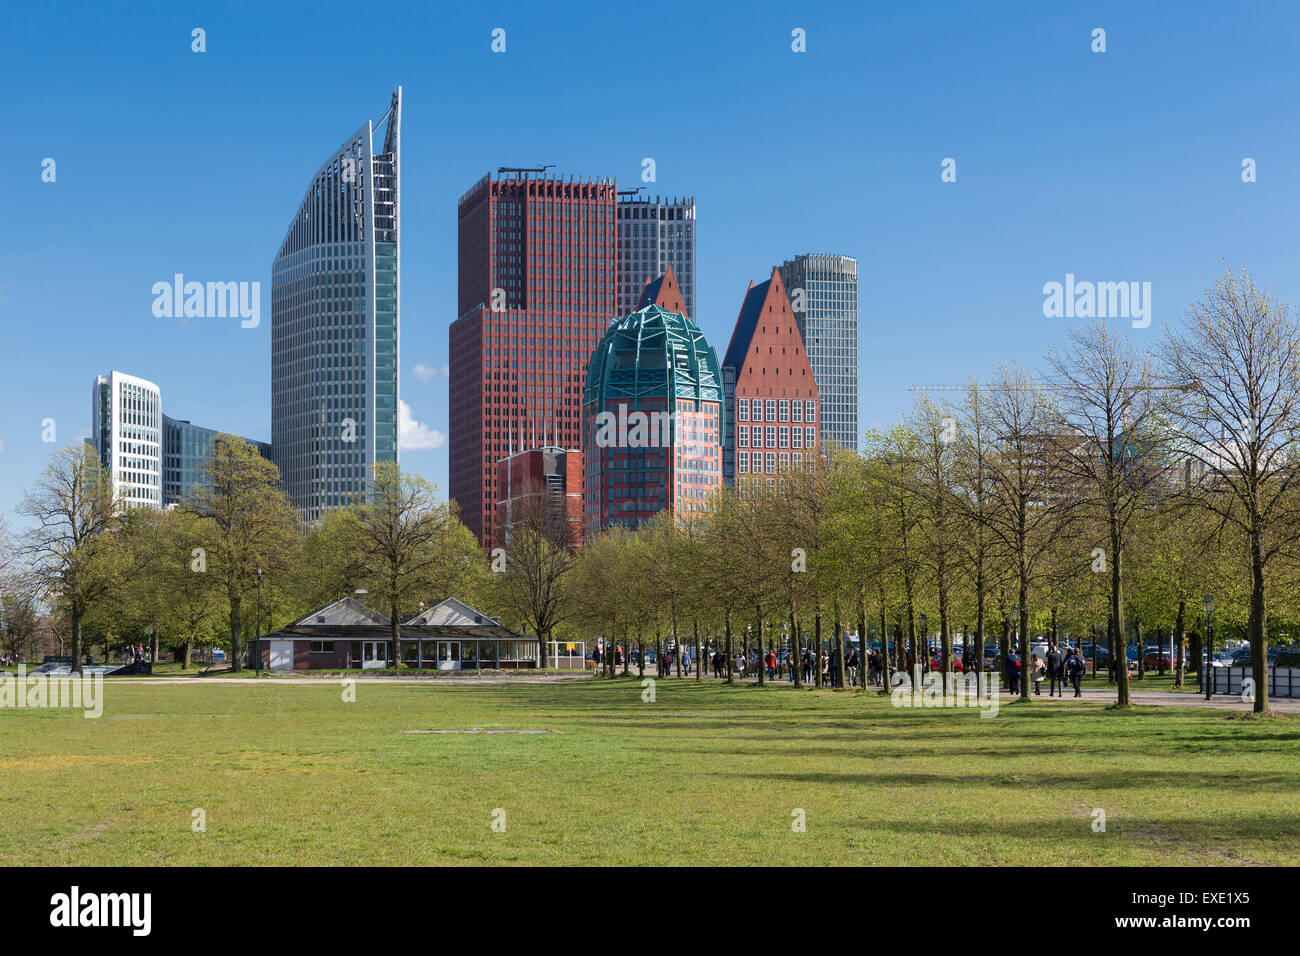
{"points": [[1103, 495], [189, 576]]}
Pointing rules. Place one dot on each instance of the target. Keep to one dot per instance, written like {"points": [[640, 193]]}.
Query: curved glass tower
{"points": [[652, 419], [335, 295]]}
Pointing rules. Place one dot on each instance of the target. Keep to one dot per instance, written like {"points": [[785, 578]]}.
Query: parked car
{"points": [[1151, 660], [936, 661]]}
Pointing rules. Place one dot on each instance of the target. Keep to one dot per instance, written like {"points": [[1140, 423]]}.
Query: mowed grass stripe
{"points": [[291, 774]]}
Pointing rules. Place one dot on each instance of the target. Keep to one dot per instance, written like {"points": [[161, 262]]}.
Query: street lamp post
{"points": [[257, 667], [1207, 605]]}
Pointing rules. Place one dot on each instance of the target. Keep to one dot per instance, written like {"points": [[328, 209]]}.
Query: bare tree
{"points": [[1108, 442], [74, 555], [1239, 351], [1028, 515], [409, 544], [538, 549]]}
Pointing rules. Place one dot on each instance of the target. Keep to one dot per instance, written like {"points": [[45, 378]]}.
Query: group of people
{"points": [[1058, 668]]}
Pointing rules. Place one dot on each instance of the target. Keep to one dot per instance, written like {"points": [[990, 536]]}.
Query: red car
{"points": [[936, 663]]}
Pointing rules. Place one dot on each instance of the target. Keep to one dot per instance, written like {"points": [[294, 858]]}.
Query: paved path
{"points": [[1091, 694], [1108, 694]]}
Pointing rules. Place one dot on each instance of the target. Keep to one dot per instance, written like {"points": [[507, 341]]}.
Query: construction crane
{"points": [[1190, 386], [525, 169]]}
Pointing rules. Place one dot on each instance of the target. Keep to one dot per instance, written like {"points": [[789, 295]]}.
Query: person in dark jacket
{"points": [[1011, 672], [1055, 671], [1074, 667]]}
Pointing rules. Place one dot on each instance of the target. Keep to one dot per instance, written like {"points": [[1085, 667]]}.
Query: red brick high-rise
{"points": [[773, 408], [537, 282]]}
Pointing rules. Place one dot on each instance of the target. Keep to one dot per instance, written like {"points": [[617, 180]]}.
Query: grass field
{"points": [[291, 774]]}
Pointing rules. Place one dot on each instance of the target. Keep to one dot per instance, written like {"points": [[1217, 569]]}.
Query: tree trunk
{"points": [[1142, 656], [837, 679], [1117, 613], [1025, 676], [76, 643], [395, 639], [1258, 635], [731, 677], [758, 634], [236, 638], [796, 648], [817, 644], [979, 635], [699, 654], [885, 675], [1180, 637], [863, 650], [188, 654]]}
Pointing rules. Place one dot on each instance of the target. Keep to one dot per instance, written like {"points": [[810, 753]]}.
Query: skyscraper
{"points": [[827, 288], [536, 283], [652, 421], [187, 450], [126, 428], [771, 392], [335, 324], [154, 460], [654, 234]]}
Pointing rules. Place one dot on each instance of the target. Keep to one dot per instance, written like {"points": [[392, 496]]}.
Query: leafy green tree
{"points": [[248, 525]]}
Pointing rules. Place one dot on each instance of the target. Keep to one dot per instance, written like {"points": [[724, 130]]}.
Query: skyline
{"points": [[951, 274]]}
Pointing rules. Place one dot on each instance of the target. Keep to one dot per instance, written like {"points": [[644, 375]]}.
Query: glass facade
{"points": [[827, 286], [187, 450], [654, 234], [335, 325]]}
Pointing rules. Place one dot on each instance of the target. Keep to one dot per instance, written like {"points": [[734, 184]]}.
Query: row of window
{"points": [[777, 410], [767, 462], [782, 436]]}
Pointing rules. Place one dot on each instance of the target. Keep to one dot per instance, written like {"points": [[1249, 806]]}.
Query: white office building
{"points": [[127, 433]]}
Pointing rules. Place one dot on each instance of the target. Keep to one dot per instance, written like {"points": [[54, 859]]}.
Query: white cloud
{"points": [[2, 446], [425, 372], [413, 435]]}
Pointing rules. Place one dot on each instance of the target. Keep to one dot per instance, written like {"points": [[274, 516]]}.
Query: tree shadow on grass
{"points": [[1120, 779]]}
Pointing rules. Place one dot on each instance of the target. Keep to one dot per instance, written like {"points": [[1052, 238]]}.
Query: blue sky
{"points": [[1115, 166]]}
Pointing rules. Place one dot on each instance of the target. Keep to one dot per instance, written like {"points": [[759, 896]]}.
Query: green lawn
{"points": [[291, 774]]}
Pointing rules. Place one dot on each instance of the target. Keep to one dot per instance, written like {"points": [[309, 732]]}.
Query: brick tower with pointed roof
{"points": [[773, 409]]}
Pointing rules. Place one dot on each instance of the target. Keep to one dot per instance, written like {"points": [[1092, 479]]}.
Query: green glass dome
{"points": [[653, 352]]}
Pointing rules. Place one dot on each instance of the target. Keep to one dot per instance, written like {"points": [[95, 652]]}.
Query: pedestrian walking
{"points": [[1055, 671]]}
